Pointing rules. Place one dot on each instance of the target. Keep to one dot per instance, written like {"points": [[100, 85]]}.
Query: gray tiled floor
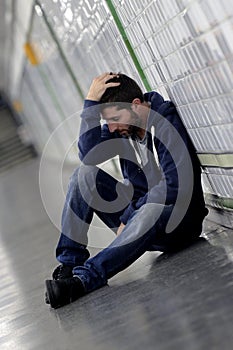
{"points": [[183, 301]]}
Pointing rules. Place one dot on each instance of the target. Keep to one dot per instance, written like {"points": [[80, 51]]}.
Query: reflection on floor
{"points": [[183, 301]]}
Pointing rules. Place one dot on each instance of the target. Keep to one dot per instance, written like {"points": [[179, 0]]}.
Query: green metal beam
{"points": [[224, 160], [218, 202], [128, 44]]}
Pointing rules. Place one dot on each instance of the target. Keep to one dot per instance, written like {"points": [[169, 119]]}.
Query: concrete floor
{"points": [[183, 301]]}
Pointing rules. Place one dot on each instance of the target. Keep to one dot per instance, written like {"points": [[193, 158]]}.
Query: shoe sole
{"points": [[50, 294], [46, 298]]}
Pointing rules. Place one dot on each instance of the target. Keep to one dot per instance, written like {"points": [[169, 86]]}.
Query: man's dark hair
{"points": [[127, 91]]}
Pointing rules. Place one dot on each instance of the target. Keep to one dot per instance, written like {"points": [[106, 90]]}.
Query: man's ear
{"points": [[135, 103]]}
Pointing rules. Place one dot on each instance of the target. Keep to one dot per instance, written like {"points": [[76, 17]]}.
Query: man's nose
{"points": [[112, 127]]}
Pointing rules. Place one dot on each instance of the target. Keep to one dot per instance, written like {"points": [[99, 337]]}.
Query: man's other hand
{"points": [[120, 229]]}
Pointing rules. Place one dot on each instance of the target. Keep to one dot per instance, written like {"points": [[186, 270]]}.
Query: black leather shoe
{"points": [[60, 272], [64, 291]]}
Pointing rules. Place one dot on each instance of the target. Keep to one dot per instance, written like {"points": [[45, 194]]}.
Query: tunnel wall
{"points": [[181, 48]]}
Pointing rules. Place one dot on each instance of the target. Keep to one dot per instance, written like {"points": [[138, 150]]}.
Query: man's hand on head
{"points": [[99, 86]]}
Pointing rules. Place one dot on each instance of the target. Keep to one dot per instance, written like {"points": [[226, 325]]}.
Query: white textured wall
{"points": [[184, 48]]}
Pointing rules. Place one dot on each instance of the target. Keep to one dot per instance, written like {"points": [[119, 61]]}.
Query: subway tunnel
{"points": [[50, 51]]}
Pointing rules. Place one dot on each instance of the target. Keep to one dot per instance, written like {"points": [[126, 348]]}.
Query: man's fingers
{"points": [[112, 84], [100, 84], [106, 76], [109, 77]]}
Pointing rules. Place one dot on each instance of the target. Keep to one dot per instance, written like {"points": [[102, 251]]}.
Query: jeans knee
{"points": [[83, 175]]}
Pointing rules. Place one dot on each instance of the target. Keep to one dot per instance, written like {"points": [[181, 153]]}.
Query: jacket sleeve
{"points": [[92, 134], [90, 128]]}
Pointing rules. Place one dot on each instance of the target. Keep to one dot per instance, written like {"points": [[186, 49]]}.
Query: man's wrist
{"points": [[92, 98], [90, 103]]}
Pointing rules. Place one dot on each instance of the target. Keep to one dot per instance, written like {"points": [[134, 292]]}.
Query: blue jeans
{"points": [[145, 230]]}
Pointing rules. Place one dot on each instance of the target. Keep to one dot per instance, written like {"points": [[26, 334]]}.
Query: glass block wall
{"points": [[181, 48]]}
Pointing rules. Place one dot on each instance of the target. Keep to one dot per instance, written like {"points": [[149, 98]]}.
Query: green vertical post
{"points": [[128, 44]]}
